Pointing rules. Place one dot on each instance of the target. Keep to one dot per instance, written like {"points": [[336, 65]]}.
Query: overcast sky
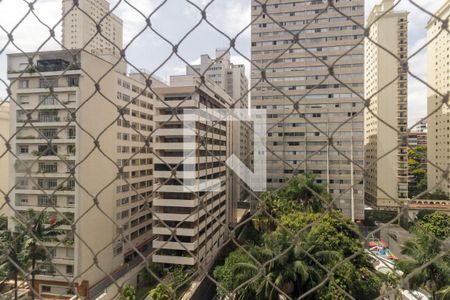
{"points": [[173, 21]]}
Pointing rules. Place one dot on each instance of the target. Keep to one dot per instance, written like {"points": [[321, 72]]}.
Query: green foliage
{"points": [[430, 233], [226, 274], [36, 230], [173, 281], [160, 292], [417, 170], [12, 245], [3, 223], [146, 276], [300, 193], [437, 223], [436, 195], [424, 212], [128, 292], [379, 216], [279, 265]]}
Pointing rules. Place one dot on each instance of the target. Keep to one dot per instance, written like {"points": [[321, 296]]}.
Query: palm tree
{"points": [[34, 225], [286, 273], [421, 250], [14, 261], [304, 190]]}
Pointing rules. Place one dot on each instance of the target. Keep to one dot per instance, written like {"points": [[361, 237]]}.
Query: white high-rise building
{"points": [[386, 118], [190, 222], [232, 79], [315, 122], [438, 76]]}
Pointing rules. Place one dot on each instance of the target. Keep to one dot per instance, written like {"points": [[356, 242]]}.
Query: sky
{"points": [[174, 20]]}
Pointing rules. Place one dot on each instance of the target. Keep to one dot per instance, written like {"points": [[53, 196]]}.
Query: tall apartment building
{"points": [[420, 127], [79, 161], [438, 76], [386, 118], [79, 28], [298, 141], [232, 79], [4, 157], [190, 223]]}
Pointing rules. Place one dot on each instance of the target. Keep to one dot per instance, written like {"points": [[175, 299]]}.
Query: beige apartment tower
{"points": [[79, 28], [315, 122], [386, 118], [83, 157], [438, 76], [190, 222]]}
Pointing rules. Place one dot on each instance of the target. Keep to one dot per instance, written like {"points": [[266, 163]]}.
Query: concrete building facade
{"points": [[4, 157], [199, 218], [386, 118], [325, 135], [438, 76], [84, 157], [233, 80], [79, 28], [230, 77]]}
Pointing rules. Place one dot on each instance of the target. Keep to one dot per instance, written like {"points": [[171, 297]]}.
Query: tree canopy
{"points": [[295, 252]]}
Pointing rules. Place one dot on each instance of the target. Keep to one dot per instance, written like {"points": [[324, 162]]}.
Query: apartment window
{"points": [[69, 269], [47, 83], [24, 99], [71, 149], [69, 252], [70, 201], [23, 149], [48, 183], [22, 182], [48, 133], [48, 116], [45, 201], [72, 97], [24, 84], [73, 81], [71, 132], [45, 150], [48, 167], [71, 184], [48, 100], [117, 250]]}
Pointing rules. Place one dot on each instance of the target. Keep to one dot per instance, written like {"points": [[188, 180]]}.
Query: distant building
{"points": [[79, 29], [420, 127], [229, 76], [187, 218], [305, 105], [417, 139], [438, 51], [386, 154]]}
